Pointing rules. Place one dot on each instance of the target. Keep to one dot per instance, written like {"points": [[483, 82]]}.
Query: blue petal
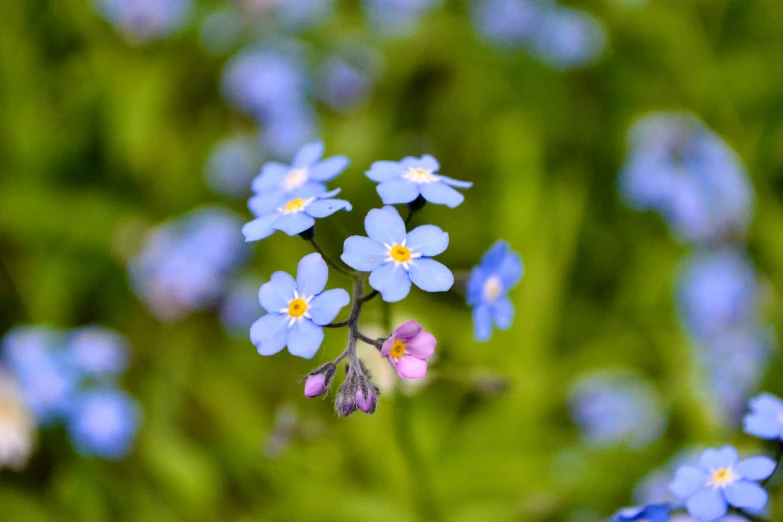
{"points": [[311, 275], [307, 155], [503, 311], [763, 425], [428, 162], [263, 204], [723, 458], [293, 224], [392, 281], [441, 194], [330, 194], [756, 468], [494, 257], [329, 168], [397, 191], [270, 333], [271, 175], [428, 240], [475, 289], [746, 495], [277, 293], [385, 225], [431, 276], [305, 338], [326, 207], [381, 171], [308, 190], [510, 270], [767, 403], [707, 504], [455, 182], [363, 254], [325, 307], [482, 322], [260, 228], [687, 481]]}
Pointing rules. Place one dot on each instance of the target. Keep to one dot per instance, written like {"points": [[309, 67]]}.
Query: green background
{"points": [[100, 139]]}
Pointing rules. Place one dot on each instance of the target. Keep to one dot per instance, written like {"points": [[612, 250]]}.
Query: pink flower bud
{"points": [[315, 385], [366, 405]]}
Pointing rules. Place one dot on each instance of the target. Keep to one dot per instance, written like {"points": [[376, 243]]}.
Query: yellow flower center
{"points": [[419, 175], [492, 289], [401, 254], [722, 477], [294, 179], [295, 205], [297, 307], [397, 349]]}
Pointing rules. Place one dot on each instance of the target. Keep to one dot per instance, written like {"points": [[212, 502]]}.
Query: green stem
{"points": [[329, 260]]}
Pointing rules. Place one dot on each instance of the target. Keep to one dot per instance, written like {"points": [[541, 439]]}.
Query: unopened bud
{"points": [[315, 385], [366, 405]]}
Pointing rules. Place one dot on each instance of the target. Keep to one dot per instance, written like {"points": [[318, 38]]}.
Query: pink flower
{"points": [[315, 385], [407, 350]]}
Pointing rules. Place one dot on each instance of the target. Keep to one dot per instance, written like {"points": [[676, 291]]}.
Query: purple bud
{"points": [[348, 408], [315, 385], [366, 405]]}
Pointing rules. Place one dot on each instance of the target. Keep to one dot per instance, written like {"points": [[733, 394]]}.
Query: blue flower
{"points": [[295, 216], [765, 419], [306, 175], [568, 38], [395, 259], [97, 352], [397, 17], [297, 310], [651, 513], [720, 481], [144, 20], [104, 424], [498, 272], [506, 23], [406, 180], [232, 164]]}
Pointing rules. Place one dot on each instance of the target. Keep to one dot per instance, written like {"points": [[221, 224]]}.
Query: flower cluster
{"points": [[720, 483], [391, 259], [69, 378]]}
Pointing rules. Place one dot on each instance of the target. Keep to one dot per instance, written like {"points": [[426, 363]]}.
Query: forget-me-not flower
{"points": [[498, 272], [104, 423], [144, 20], [295, 216], [395, 258], [765, 419], [404, 181], [721, 480], [651, 513], [307, 174], [297, 310], [97, 352]]}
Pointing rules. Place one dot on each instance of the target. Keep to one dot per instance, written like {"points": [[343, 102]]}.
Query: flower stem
{"points": [[329, 260]]}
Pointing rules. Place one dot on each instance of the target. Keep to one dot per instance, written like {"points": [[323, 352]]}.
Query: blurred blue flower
{"points": [[104, 423], [186, 263], [343, 84], [406, 180], [25, 348], [721, 480], [397, 17], [614, 408], [290, 15], [295, 216], [507, 23], [567, 38], [288, 127], [651, 513], [232, 164], [144, 20], [306, 175], [395, 259], [297, 310], [765, 419], [97, 352], [689, 175], [499, 270], [240, 307]]}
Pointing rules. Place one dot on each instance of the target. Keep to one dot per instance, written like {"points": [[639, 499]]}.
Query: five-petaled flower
{"points": [[298, 309], [396, 258], [408, 349], [498, 272], [295, 215], [765, 419], [276, 182], [720, 481], [651, 513], [406, 180]]}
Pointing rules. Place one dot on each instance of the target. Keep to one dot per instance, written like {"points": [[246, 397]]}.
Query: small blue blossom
{"points": [[232, 164], [297, 310], [506, 23], [651, 513], [343, 83], [144, 20], [765, 419], [406, 180], [721, 480], [568, 38], [97, 352], [104, 424], [396, 258], [293, 217], [498, 272], [306, 175], [397, 17]]}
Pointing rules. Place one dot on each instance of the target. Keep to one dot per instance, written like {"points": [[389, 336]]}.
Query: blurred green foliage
{"points": [[100, 139]]}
